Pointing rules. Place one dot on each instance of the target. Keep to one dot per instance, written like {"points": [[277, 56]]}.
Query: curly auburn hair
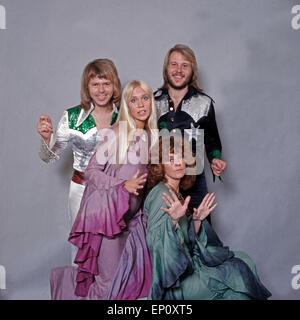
{"points": [[156, 171]]}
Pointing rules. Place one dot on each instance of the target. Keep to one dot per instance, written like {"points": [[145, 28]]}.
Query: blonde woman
{"points": [[109, 231]]}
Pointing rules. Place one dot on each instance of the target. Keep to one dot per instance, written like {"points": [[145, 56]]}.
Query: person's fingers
{"points": [[134, 191], [142, 179], [136, 174], [173, 195], [45, 118], [143, 176], [167, 197], [45, 127], [213, 207], [186, 201], [214, 164], [167, 201], [164, 209], [44, 124], [219, 164], [217, 172], [223, 167], [173, 198], [140, 182], [215, 168], [210, 200], [44, 131], [204, 200]]}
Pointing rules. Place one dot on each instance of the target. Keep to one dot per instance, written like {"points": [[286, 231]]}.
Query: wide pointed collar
{"points": [[85, 113]]}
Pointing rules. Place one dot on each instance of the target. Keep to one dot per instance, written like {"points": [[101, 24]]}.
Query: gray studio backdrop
{"points": [[248, 55]]}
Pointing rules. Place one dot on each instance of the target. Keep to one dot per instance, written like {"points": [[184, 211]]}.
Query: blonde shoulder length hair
{"points": [[125, 116], [100, 68]]}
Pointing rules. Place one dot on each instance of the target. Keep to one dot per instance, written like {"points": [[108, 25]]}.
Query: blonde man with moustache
{"points": [[182, 105]]}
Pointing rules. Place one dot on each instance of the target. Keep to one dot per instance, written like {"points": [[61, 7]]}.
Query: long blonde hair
{"points": [[124, 115]]}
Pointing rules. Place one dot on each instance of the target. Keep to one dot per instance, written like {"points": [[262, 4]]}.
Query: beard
{"points": [[186, 82]]}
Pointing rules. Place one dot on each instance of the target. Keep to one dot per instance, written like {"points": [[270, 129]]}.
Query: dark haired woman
{"points": [[188, 260]]}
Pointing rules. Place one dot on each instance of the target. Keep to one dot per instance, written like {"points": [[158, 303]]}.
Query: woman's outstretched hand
{"points": [[135, 183], [176, 210], [204, 209]]}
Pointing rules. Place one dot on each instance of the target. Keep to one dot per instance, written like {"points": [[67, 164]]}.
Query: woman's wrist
{"points": [[174, 220], [197, 219], [126, 185]]}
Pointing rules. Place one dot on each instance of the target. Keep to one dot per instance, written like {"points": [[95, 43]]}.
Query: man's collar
{"points": [[191, 92], [85, 113]]}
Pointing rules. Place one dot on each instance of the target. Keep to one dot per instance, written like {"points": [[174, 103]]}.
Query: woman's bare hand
{"points": [[135, 183], [176, 210]]}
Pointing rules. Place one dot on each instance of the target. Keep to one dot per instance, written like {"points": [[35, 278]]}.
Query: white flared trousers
{"points": [[75, 195]]}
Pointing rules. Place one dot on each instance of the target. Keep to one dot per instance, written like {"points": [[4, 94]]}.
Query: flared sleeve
{"points": [[95, 174], [59, 141], [104, 203], [170, 259]]}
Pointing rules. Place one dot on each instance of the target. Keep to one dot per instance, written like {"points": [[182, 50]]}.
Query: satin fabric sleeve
{"points": [[59, 141], [95, 175]]}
